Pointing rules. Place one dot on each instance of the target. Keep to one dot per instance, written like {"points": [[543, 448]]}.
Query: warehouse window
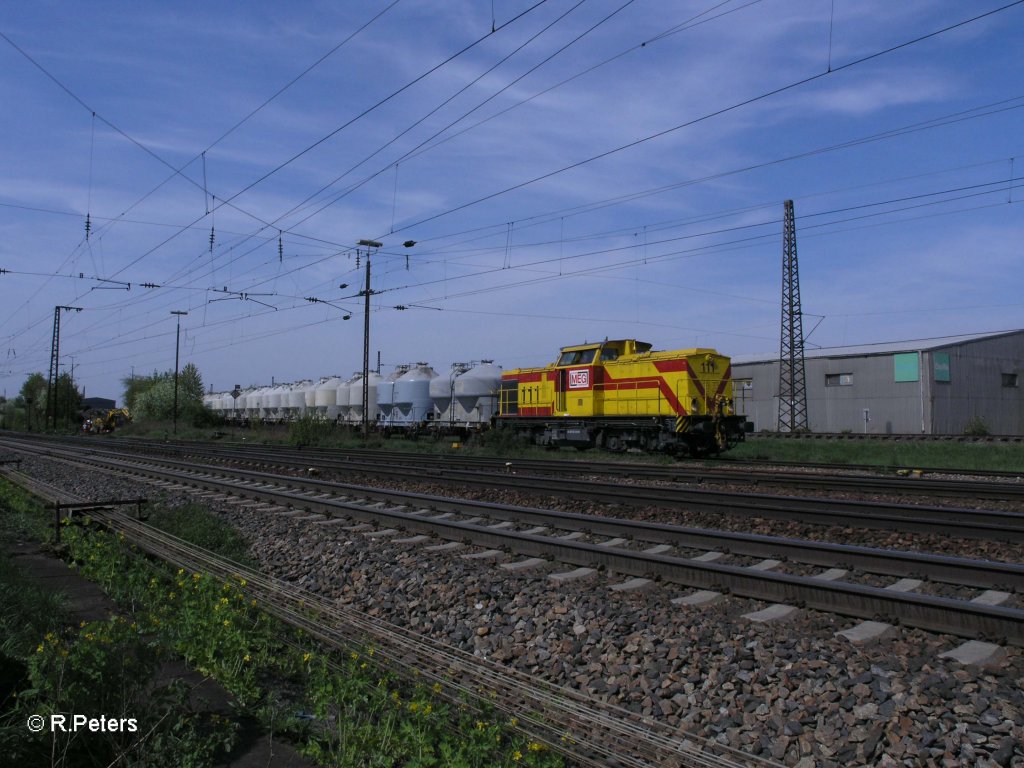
{"points": [[744, 384], [1010, 380], [838, 379]]}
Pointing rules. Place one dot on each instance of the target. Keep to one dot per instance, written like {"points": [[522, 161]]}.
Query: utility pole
{"points": [[68, 385], [366, 338], [792, 378], [51, 382], [177, 350]]}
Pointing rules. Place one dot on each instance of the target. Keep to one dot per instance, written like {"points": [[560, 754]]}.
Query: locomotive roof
{"points": [[640, 346]]}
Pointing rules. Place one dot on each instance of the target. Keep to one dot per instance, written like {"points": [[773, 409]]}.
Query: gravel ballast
{"points": [[792, 691]]}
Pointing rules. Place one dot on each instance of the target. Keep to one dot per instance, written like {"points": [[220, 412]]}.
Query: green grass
{"points": [[27, 611], [21, 515], [199, 526], [911, 454]]}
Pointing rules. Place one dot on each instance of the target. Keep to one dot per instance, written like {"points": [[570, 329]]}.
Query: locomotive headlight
{"points": [[694, 405]]}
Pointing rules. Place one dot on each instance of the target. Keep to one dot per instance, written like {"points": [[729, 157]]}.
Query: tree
{"points": [[33, 397], [151, 398], [29, 409]]}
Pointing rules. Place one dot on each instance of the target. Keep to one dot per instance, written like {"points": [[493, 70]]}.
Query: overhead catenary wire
{"points": [[519, 225], [716, 113]]}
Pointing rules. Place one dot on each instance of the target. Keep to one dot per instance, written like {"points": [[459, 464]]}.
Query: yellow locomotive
{"points": [[620, 394]]}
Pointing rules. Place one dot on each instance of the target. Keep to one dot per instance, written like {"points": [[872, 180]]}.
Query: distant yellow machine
{"points": [[620, 395], [99, 421]]}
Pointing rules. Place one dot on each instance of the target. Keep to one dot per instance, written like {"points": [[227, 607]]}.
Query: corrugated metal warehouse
{"points": [[931, 386]]}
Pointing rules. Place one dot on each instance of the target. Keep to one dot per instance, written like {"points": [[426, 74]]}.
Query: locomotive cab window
{"points": [[577, 357]]}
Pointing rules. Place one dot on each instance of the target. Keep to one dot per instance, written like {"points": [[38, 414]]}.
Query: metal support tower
{"points": [[177, 353], [366, 338], [51, 383], [792, 377]]}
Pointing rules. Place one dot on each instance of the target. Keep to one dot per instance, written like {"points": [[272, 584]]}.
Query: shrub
{"points": [[309, 431], [976, 427]]}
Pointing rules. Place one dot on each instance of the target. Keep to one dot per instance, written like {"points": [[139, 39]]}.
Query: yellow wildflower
{"points": [[517, 756]]}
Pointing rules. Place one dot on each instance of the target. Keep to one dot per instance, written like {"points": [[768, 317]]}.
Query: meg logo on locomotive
{"points": [[579, 378]]}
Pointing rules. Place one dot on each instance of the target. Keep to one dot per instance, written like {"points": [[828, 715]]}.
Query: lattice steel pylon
{"points": [[51, 381], [792, 378]]}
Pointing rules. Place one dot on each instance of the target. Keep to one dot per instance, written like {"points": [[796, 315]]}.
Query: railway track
{"points": [[640, 550], [589, 732], [912, 518], [860, 479]]}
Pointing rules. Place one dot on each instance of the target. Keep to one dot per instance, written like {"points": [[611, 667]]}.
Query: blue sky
{"points": [[589, 169]]}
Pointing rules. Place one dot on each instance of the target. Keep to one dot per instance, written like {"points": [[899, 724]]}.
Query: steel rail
{"points": [[987, 574], [842, 478], [589, 731], [937, 614], [966, 523], [677, 473]]}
